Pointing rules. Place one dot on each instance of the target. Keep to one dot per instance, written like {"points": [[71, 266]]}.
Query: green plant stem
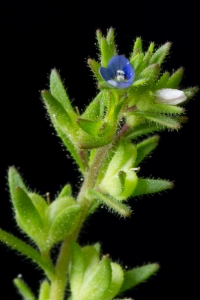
{"points": [[58, 284]]}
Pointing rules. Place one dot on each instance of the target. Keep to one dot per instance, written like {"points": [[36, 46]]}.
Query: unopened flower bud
{"points": [[170, 96]]}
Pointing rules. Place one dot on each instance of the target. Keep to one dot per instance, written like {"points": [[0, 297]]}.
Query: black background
{"points": [[38, 36]]}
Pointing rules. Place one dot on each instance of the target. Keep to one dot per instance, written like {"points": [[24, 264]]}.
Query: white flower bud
{"points": [[170, 96]]}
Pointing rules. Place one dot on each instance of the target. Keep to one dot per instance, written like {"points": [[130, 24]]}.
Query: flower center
{"points": [[120, 75]]}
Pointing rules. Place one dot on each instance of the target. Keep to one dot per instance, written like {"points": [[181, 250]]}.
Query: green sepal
{"points": [[95, 110], [39, 203], [137, 45], [140, 130], [138, 275], [162, 81], [151, 47], [136, 62], [151, 186], [66, 191], [101, 278], [150, 73], [58, 205], [72, 149], [64, 224], [106, 52], [145, 147], [190, 92], [15, 180], [111, 40], [58, 91], [23, 289], [91, 127], [94, 66], [116, 281], [160, 54], [27, 217], [44, 292], [91, 257], [99, 37], [25, 249], [112, 204], [175, 79], [77, 270], [59, 116], [161, 119]]}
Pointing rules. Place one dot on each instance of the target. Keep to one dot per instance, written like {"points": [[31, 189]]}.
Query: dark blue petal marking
{"points": [[119, 72]]}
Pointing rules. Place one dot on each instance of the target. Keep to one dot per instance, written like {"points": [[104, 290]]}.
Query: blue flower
{"points": [[119, 72]]}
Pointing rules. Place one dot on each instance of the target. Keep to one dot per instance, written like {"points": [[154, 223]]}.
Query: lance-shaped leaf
{"points": [[160, 54], [15, 180], [64, 224], [175, 79], [116, 206], [145, 147], [72, 149], [140, 130], [91, 127], [25, 249], [66, 191], [136, 61], [99, 37], [44, 292], [162, 81], [116, 281], [111, 40], [58, 91], [160, 119], [101, 278], [106, 52], [190, 92], [39, 203], [95, 110], [150, 73], [23, 289], [151, 47], [94, 66], [151, 186], [137, 47], [138, 275]]}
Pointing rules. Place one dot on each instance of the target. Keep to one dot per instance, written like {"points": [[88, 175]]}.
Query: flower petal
{"points": [[170, 96], [105, 73], [117, 62]]}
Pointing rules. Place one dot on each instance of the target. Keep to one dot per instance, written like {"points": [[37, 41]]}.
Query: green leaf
{"points": [[190, 92], [91, 127], [25, 249], [101, 278], [28, 217], [44, 292], [77, 270], [160, 119], [138, 44], [95, 110], [137, 275], [72, 149], [145, 147], [23, 289], [151, 48], [116, 281], [175, 79], [66, 191], [160, 54], [91, 257], [150, 73], [111, 40], [15, 180], [94, 66], [117, 206], [162, 81], [64, 224], [136, 61], [140, 130], [39, 203], [99, 37], [106, 52], [58, 91], [151, 186], [58, 205]]}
